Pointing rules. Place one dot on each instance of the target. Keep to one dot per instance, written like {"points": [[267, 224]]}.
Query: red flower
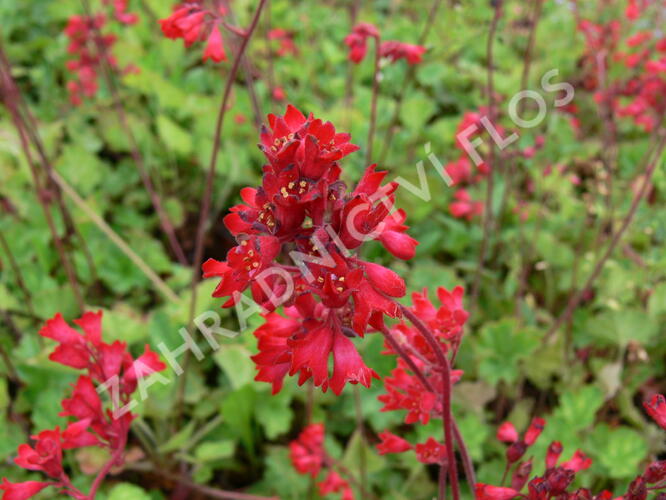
{"points": [[398, 50], [357, 41], [279, 94], [487, 492], [578, 462], [286, 40], [430, 452], [507, 433], [244, 263], [215, 46], [553, 454], [46, 456], [464, 207], [307, 452], [335, 484], [656, 408], [193, 23], [21, 491], [392, 444], [534, 430]]}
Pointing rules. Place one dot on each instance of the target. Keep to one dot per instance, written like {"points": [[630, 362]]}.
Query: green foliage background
{"points": [[588, 383]]}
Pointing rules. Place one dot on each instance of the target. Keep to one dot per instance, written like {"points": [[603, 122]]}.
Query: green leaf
{"points": [[178, 440], [578, 408], [657, 302], [238, 411], [211, 451], [501, 348], [619, 450], [236, 363], [274, 414], [621, 327], [174, 136], [126, 491]]}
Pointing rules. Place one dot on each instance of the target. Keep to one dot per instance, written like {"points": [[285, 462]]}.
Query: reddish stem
{"points": [[373, 106], [462, 447], [446, 399], [137, 158], [492, 166], [210, 179], [575, 299]]}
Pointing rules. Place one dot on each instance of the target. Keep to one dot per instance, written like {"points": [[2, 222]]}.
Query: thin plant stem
{"points": [[529, 51], [137, 157], [30, 124], [205, 490], [492, 115], [652, 161], [411, 73], [247, 70], [373, 105], [17, 272], [467, 461], [116, 239], [360, 429], [208, 189], [349, 81], [9, 90], [446, 398]]}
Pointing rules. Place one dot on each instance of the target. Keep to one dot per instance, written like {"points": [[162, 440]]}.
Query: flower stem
{"points": [[208, 190], [446, 398], [492, 164], [373, 106], [652, 160], [137, 157], [468, 465]]}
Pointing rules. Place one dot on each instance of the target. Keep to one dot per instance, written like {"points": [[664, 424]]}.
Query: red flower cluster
{"points": [[303, 211], [91, 48], [285, 41], [192, 22], [552, 484], [404, 389], [120, 11], [517, 447], [93, 425], [462, 172], [641, 94], [309, 457], [656, 408], [430, 452], [357, 41]]}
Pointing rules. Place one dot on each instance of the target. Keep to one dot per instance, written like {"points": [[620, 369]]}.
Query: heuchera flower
{"points": [[394, 50], [392, 444], [93, 424], [286, 42], [517, 447], [357, 41], [554, 482], [303, 211], [193, 22], [90, 49], [120, 11], [656, 408], [507, 433], [464, 207], [21, 491], [487, 492], [309, 458], [404, 389], [431, 452]]}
